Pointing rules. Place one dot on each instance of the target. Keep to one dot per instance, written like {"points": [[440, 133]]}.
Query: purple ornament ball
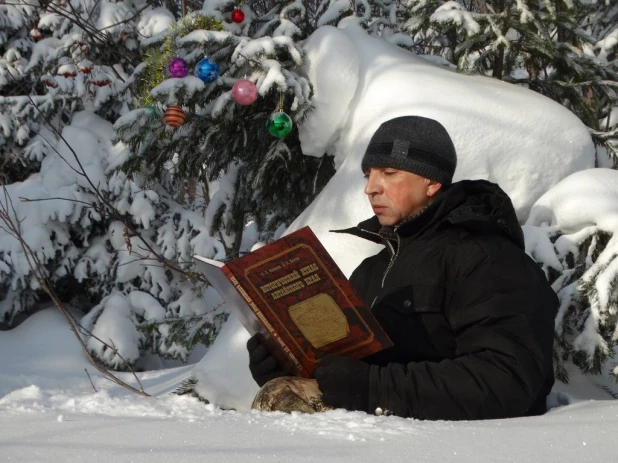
{"points": [[244, 92], [178, 67]]}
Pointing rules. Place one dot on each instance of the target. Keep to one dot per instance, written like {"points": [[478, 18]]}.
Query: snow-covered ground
{"points": [[49, 412]]}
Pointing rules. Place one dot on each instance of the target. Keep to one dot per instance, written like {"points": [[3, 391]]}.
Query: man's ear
{"points": [[433, 187]]}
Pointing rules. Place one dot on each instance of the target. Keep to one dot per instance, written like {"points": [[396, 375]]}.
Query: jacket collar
{"points": [[476, 205]]}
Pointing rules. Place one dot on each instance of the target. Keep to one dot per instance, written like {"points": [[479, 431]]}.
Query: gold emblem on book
{"points": [[320, 320]]}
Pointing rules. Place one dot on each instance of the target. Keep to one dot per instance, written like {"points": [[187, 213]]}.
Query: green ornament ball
{"points": [[279, 124], [151, 111]]}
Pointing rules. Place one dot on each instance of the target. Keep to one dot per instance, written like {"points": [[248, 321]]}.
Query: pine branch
{"points": [[110, 208]]}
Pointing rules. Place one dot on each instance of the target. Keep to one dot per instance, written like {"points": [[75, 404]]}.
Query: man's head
{"points": [[407, 162]]}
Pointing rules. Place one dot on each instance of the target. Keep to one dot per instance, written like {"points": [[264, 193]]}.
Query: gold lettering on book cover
{"points": [[279, 282], [289, 289], [320, 320]]}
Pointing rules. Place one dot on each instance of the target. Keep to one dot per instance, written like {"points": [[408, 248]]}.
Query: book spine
{"points": [[258, 313]]}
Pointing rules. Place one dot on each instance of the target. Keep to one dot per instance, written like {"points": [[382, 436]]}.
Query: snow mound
{"points": [[589, 197]]}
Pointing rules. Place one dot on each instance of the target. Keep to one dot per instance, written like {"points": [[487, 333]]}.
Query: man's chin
{"points": [[386, 221]]}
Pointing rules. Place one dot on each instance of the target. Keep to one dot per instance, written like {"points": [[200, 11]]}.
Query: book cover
{"points": [[292, 292]]}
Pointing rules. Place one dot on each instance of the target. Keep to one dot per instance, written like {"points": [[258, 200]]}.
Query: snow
{"points": [[455, 13], [113, 15], [153, 21], [567, 206], [215, 372], [49, 412]]}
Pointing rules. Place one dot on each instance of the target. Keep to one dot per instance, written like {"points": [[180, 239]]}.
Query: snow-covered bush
{"points": [[80, 220], [572, 232], [57, 58]]}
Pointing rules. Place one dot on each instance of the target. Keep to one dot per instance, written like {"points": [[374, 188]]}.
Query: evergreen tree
{"points": [[550, 47], [270, 181], [55, 60], [64, 74]]}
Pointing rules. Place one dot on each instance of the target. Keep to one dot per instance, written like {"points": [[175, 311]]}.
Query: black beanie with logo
{"points": [[414, 144]]}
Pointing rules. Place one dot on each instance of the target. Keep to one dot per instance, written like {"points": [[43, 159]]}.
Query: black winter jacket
{"points": [[471, 316]]}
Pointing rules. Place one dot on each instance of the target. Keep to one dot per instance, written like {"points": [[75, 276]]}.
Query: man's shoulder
{"points": [[472, 248]]}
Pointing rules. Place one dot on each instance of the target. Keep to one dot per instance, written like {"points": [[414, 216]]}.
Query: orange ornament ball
{"points": [[174, 116]]}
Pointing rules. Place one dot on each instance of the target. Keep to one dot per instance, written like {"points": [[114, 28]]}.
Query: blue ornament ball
{"points": [[207, 70]]}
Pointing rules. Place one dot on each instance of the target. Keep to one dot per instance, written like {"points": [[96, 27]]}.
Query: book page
{"points": [[212, 270]]}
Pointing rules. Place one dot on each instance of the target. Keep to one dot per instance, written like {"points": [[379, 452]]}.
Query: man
{"points": [[471, 316]]}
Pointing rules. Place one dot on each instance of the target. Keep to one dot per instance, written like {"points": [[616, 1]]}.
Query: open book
{"points": [[293, 294]]}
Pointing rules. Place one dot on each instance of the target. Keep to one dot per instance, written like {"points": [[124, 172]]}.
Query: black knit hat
{"points": [[415, 144]]}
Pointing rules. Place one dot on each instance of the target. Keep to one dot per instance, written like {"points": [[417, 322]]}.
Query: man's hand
{"points": [[262, 364], [344, 382]]}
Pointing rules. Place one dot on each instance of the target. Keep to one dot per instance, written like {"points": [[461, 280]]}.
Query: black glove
{"points": [[344, 382], [262, 364]]}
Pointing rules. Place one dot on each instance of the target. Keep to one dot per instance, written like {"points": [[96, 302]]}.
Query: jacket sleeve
{"points": [[501, 312]]}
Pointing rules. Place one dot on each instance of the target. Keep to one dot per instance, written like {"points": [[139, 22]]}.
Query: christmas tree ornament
{"points": [[244, 92], [151, 111], [178, 67], [174, 116], [207, 70], [238, 16], [279, 124]]}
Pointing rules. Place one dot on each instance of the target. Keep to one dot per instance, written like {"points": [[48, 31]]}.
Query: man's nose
{"points": [[372, 186]]}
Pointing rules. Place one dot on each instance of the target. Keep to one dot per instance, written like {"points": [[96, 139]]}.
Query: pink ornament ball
{"points": [[178, 67], [244, 92]]}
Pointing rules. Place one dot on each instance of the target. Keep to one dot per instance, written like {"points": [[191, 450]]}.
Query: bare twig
{"points": [[90, 379], [110, 346], [29, 200]]}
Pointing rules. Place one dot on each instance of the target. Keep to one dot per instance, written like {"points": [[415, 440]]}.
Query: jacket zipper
{"points": [[394, 255], [392, 261]]}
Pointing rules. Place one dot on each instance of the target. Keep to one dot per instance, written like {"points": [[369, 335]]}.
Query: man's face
{"points": [[396, 194]]}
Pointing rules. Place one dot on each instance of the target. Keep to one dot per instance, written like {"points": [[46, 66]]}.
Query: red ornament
{"points": [[174, 116], [238, 16], [50, 83], [102, 83]]}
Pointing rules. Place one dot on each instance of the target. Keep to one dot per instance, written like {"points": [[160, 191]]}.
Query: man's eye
{"points": [[389, 172]]}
